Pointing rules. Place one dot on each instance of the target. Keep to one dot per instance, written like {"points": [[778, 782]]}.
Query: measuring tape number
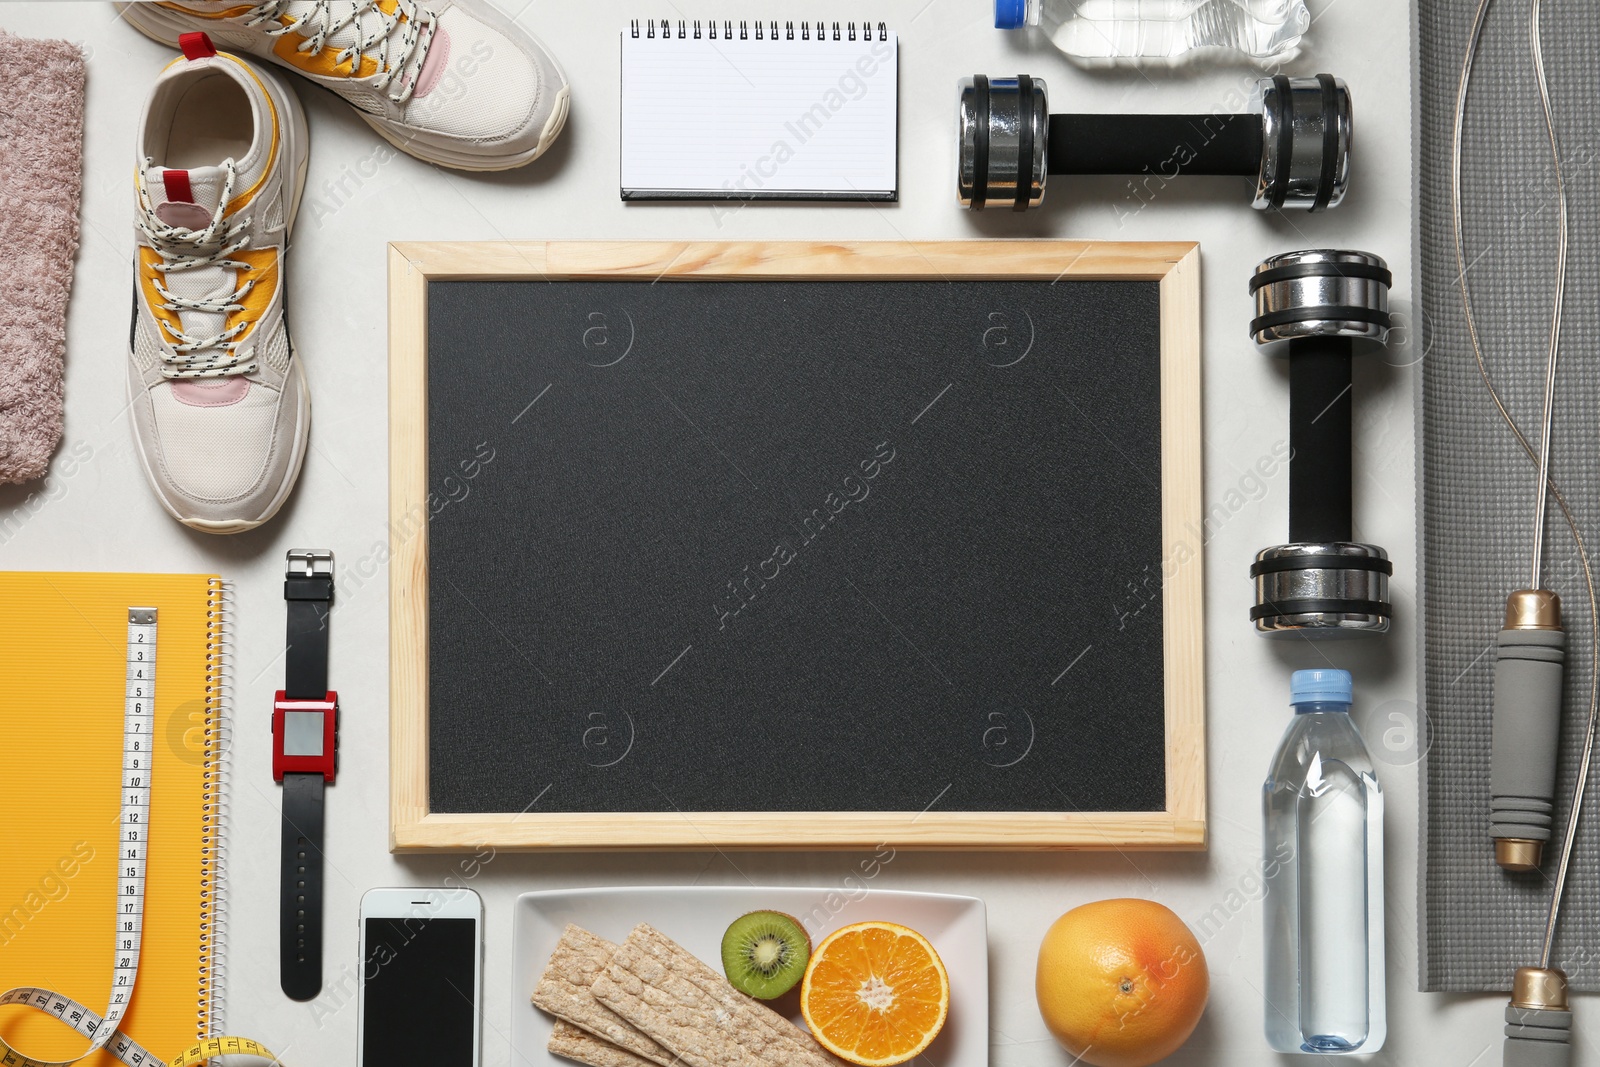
{"points": [[138, 722]]}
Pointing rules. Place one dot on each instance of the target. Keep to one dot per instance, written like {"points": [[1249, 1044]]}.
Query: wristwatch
{"points": [[305, 740]]}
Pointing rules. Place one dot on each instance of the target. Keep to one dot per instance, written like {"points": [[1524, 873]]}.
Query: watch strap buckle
{"points": [[308, 563]]}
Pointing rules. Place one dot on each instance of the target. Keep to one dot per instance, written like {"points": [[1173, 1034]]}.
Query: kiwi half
{"points": [[764, 954]]}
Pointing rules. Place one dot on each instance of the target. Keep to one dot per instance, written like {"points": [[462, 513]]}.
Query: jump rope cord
{"points": [[1540, 456]]}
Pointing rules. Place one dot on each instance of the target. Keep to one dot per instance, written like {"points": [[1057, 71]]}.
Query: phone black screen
{"points": [[418, 983]]}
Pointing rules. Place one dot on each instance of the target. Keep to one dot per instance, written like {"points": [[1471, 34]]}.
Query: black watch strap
{"points": [[308, 593], [300, 895]]}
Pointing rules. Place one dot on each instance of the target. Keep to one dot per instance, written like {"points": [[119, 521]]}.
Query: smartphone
{"points": [[421, 977]]}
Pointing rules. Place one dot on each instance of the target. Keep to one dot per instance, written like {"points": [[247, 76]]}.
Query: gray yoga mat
{"points": [[1476, 486]]}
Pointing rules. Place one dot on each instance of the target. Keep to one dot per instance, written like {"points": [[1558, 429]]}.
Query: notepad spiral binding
{"points": [[217, 746], [806, 31]]}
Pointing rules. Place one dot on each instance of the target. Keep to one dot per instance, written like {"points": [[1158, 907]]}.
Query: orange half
{"points": [[875, 994]]}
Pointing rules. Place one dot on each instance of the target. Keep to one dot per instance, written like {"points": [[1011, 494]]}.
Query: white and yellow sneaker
{"points": [[452, 82], [218, 402]]}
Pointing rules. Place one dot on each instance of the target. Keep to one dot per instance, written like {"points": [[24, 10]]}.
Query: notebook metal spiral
{"points": [[217, 743], [845, 31]]}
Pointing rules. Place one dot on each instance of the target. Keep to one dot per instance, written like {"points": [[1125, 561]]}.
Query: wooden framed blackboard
{"points": [[795, 545]]}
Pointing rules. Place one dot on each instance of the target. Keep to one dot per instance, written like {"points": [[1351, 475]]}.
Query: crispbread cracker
{"points": [[671, 995], [563, 991], [580, 1045]]}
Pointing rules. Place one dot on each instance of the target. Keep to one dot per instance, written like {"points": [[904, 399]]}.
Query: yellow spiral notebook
{"points": [[63, 684]]}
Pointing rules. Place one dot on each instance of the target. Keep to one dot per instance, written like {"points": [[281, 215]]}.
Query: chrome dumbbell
{"points": [[1295, 143], [1322, 583]]}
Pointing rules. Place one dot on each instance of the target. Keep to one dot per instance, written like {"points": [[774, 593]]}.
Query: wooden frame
{"points": [[413, 827]]}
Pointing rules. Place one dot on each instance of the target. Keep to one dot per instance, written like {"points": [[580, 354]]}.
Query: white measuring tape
{"points": [[138, 721]]}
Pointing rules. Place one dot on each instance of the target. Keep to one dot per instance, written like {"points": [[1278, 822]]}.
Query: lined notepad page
{"points": [[732, 119]]}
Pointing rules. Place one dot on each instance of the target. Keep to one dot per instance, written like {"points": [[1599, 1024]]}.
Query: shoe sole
{"points": [[156, 24], [299, 152]]}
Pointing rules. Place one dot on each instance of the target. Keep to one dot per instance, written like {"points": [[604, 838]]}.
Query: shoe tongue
{"points": [[186, 198]]}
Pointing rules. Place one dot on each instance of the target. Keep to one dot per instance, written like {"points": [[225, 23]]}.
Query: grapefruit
{"points": [[1121, 983]]}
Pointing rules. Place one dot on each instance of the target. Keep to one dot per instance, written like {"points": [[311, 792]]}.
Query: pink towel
{"points": [[41, 178]]}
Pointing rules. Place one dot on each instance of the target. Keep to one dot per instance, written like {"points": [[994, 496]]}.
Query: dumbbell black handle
{"points": [[1165, 145], [1319, 439]]}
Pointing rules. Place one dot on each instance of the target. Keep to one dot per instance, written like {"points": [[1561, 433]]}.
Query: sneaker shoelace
{"points": [[193, 355], [375, 31]]}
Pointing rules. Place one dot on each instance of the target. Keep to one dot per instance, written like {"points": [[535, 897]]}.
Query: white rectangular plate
{"points": [[696, 916]]}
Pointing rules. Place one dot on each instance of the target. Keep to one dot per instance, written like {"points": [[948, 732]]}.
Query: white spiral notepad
{"points": [[759, 110]]}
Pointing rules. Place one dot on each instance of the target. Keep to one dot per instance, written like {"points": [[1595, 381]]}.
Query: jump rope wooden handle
{"points": [[1531, 656]]}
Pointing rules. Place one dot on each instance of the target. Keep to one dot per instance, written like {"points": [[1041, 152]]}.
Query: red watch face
{"points": [[305, 736]]}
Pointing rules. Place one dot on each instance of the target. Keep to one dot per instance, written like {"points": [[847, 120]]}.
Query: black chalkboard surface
{"points": [[723, 545]]}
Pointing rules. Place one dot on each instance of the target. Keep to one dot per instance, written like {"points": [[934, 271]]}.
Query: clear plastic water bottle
{"points": [[1161, 31], [1323, 868]]}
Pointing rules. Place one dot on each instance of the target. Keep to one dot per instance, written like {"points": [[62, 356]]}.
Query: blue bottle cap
{"points": [[1326, 686], [1010, 14]]}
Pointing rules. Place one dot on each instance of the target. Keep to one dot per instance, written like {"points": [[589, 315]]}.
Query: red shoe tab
{"points": [[177, 182], [196, 46]]}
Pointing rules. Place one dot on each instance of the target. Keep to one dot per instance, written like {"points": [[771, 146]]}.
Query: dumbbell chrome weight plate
{"points": [[1321, 292], [1340, 588], [1306, 126], [1002, 131]]}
